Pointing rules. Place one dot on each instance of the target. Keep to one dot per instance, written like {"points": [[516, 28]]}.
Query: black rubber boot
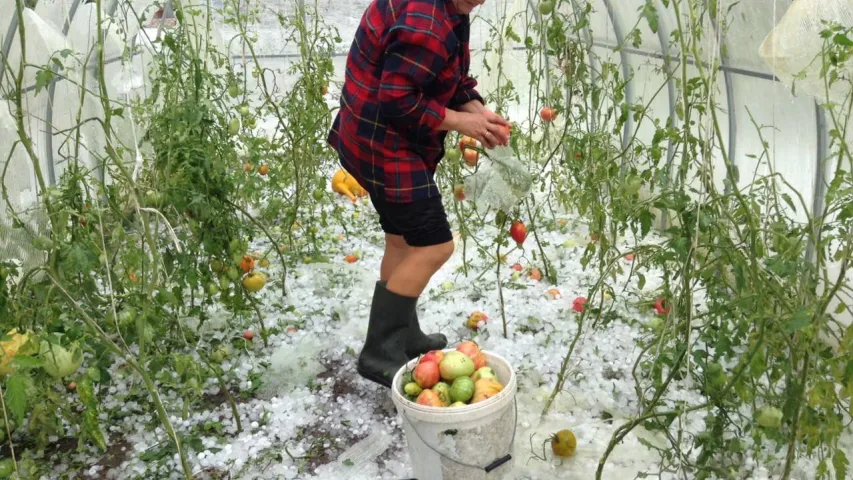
{"points": [[418, 342], [384, 350]]}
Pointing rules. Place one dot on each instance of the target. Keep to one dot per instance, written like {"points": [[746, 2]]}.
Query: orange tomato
{"points": [[247, 264], [471, 157], [534, 274], [459, 192], [506, 130], [264, 170], [467, 141], [548, 114]]}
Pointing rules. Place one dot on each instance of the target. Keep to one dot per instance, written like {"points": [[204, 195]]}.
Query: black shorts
{"points": [[422, 223]]}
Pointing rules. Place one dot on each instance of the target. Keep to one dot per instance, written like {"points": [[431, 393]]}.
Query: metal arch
{"points": [[819, 191], [671, 95], [626, 71], [109, 11], [730, 101], [51, 90], [10, 34]]}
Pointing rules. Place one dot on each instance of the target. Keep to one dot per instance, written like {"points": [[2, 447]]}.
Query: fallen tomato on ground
{"points": [[534, 274], [474, 320], [661, 306], [564, 443]]}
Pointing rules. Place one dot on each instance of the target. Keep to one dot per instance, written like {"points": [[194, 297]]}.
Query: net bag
{"points": [[501, 183]]}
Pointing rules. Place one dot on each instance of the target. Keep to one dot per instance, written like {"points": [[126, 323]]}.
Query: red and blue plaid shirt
{"points": [[408, 63]]}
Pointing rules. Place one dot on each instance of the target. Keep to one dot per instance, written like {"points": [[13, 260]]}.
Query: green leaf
{"points": [[787, 199], [641, 281], [26, 362], [799, 321], [350, 463], [43, 79], [16, 396], [86, 392], [651, 15], [93, 428], [840, 308], [840, 463], [844, 41], [646, 219]]}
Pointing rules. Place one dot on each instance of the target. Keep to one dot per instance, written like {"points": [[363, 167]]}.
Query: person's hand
{"points": [[488, 128]]}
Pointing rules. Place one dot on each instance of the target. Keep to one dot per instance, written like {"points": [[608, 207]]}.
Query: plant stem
{"points": [[127, 357]]}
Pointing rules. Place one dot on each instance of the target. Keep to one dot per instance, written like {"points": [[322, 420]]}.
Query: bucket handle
{"points": [[488, 468]]}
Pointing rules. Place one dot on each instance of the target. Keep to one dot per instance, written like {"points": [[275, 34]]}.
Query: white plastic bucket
{"points": [[474, 442]]}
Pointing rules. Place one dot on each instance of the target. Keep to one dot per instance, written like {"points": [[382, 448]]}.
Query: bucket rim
{"points": [[507, 391]]}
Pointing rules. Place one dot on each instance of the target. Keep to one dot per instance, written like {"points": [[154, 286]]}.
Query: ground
{"points": [[313, 417]]}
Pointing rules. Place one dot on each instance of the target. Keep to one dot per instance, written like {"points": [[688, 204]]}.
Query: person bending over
{"points": [[406, 86]]}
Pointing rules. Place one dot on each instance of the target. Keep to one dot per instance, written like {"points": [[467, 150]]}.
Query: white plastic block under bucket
{"points": [[473, 442]]}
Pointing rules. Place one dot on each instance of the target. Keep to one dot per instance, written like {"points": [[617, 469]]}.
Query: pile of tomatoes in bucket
{"points": [[454, 378]]}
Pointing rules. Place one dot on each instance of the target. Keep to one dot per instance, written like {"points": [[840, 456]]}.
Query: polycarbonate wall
{"points": [[749, 95], [746, 89]]}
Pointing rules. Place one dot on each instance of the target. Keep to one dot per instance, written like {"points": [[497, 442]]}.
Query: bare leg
{"points": [[395, 251], [414, 272]]}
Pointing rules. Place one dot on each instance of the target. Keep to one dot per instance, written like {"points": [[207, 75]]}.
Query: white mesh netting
{"points": [[793, 48]]}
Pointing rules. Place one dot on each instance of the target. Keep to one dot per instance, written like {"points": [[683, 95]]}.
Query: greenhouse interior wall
{"points": [[770, 118]]}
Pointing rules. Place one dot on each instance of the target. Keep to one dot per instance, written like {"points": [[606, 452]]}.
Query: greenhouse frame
{"points": [[186, 280]]}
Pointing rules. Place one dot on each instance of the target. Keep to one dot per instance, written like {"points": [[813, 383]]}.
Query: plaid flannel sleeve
{"points": [[466, 92], [415, 55]]}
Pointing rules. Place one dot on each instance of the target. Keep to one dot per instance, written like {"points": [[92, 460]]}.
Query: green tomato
{"points": [[219, 355], [713, 369], [153, 197], [233, 90], [224, 283], [412, 389], [235, 246], [546, 7], [453, 154], [318, 194], [237, 258], [443, 391], [769, 417], [126, 317], [462, 389], [212, 289], [244, 110], [234, 126], [233, 274]]}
